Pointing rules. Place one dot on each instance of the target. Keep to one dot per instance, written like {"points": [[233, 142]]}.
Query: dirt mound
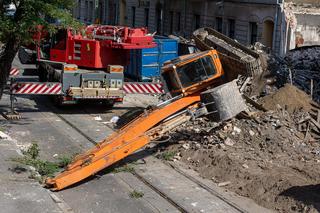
{"points": [[265, 158], [289, 98]]}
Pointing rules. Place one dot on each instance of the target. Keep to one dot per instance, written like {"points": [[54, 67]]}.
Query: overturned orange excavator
{"points": [[184, 79]]}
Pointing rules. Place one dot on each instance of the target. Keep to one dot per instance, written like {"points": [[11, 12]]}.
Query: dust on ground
{"points": [[265, 157]]}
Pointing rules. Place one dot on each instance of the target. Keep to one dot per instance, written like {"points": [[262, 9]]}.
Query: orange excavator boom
{"points": [[185, 78], [119, 145]]}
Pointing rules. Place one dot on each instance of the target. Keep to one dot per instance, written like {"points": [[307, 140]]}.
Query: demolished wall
{"points": [[308, 29], [303, 20]]}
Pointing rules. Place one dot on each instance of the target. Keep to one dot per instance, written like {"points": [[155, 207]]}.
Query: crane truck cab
{"points": [[191, 74]]}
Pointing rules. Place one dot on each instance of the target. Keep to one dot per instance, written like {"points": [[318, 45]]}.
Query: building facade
{"points": [[276, 24], [244, 20], [140, 13], [135, 13], [91, 11]]}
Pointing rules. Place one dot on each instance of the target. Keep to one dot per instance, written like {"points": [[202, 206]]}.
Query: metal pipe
{"points": [[175, 115], [51, 62], [164, 103]]}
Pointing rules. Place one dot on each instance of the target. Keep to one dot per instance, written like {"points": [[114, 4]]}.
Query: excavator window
{"points": [[171, 81], [196, 71]]}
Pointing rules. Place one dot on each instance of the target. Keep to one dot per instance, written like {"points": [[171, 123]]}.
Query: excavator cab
{"points": [[192, 73]]}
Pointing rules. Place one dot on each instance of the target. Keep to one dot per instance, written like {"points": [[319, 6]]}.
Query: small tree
{"points": [[16, 26]]}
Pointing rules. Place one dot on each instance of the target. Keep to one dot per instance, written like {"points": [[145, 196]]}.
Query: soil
{"points": [[289, 98], [264, 157]]}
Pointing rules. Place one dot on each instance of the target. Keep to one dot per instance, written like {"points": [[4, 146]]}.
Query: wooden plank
{"points": [[254, 103]]}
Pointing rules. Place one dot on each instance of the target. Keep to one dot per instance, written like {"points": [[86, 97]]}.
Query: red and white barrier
{"points": [[35, 88], [143, 88], [14, 72]]}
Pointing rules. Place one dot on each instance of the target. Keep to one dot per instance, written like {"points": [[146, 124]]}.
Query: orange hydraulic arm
{"points": [[185, 78], [119, 145]]}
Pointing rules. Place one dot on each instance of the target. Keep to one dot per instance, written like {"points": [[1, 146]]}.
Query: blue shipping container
{"points": [[146, 64]]}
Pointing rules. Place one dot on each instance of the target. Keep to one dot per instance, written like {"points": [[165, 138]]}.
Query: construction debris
{"points": [[304, 65], [269, 156], [300, 67]]}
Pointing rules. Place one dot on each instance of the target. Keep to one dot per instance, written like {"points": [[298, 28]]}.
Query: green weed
{"points": [[124, 168], [136, 194], [43, 167], [64, 161], [32, 152], [168, 156]]}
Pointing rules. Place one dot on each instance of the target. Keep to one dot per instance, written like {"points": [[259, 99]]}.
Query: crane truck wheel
{"points": [[108, 103], [57, 101]]}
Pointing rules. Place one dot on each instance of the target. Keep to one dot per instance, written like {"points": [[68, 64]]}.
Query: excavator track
{"points": [[119, 145]]}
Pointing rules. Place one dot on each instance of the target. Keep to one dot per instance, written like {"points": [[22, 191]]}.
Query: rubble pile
{"points": [[300, 67], [266, 156], [304, 64]]}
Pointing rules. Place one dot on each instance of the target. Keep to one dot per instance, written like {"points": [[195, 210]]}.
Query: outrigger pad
{"points": [[12, 115]]}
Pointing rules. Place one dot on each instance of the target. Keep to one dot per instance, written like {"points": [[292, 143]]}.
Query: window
{"points": [[133, 10], [253, 32], [196, 21], [86, 11], [171, 80], [267, 33], [59, 40], [219, 24], [90, 11], [231, 28], [100, 15], [79, 9], [196, 71], [171, 21], [178, 22], [159, 14], [115, 13], [146, 17]]}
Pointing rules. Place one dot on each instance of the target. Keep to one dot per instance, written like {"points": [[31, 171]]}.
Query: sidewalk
{"points": [[18, 192]]}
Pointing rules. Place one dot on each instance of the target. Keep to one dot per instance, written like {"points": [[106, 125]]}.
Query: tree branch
{"points": [[15, 4], [2, 7]]}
